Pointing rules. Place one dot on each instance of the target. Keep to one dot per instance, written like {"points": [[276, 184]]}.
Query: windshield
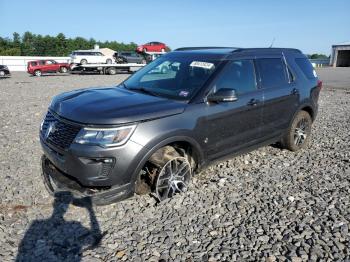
{"points": [[172, 77]]}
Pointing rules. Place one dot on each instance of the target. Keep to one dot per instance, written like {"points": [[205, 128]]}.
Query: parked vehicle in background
{"points": [[129, 57], [38, 67], [153, 56], [90, 57], [4, 71], [151, 47], [156, 129]]}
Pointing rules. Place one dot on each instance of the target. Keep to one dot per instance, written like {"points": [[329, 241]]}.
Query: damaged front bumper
{"points": [[55, 180]]}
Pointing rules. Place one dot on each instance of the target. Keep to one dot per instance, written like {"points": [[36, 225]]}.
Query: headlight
{"points": [[105, 137]]}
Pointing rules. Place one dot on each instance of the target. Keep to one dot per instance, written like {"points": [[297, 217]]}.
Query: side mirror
{"points": [[223, 95]]}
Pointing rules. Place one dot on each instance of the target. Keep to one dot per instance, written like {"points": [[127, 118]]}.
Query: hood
{"points": [[112, 106]]}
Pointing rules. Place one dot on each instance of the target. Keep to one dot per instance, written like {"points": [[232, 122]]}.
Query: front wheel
{"points": [[37, 73], [63, 69], [169, 173], [2, 73], [299, 132]]}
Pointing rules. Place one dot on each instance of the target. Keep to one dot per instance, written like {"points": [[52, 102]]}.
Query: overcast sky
{"points": [[312, 26]]}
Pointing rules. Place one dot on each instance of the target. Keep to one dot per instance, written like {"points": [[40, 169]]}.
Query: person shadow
{"points": [[55, 239]]}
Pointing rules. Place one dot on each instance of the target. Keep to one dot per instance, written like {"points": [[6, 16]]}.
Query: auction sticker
{"points": [[183, 93], [205, 65]]}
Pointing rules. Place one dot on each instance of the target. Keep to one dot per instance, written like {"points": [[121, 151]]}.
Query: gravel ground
{"points": [[270, 204]]}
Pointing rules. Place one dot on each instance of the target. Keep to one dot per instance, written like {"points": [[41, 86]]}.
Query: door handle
{"points": [[253, 102], [295, 91]]}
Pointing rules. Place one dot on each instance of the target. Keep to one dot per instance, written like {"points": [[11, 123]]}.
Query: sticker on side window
{"points": [[205, 65], [183, 93]]}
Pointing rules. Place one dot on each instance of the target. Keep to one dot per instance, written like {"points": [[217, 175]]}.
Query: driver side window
{"points": [[238, 75]]}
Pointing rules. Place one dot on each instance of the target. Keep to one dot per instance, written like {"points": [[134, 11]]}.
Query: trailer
{"points": [[110, 69], [114, 68]]}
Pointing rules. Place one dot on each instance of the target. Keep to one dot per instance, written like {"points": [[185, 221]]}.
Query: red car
{"points": [[37, 68], [151, 47]]}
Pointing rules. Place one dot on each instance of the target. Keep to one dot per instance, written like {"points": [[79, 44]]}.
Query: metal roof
{"points": [[343, 43]]}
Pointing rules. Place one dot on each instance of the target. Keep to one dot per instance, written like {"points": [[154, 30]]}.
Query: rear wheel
{"points": [[112, 71], [63, 69], [298, 134], [37, 73]]}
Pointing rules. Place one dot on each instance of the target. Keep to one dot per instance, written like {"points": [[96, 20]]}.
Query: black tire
{"points": [[299, 132], [37, 73], [109, 61], [83, 61], [63, 69], [112, 71]]}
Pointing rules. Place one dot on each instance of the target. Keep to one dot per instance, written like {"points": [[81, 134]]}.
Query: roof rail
{"points": [[268, 49], [203, 47]]}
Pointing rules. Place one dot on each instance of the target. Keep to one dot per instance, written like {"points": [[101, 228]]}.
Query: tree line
{"points": [[30, 44]]}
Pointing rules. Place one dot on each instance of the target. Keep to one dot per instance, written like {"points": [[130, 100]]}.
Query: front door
{"points": [[231, 126]]}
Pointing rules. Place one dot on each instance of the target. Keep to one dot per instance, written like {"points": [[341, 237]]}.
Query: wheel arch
{"points": [[183, 142], [309, 110]]}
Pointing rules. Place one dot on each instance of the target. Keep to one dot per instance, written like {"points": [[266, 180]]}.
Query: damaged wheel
{"points": [[168, 173]]}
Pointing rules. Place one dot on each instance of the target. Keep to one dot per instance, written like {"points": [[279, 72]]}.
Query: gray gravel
{"points": [[270, 204]]}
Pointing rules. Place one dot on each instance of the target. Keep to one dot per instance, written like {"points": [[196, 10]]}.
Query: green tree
{"points": [[35, 44], [317, 56]]}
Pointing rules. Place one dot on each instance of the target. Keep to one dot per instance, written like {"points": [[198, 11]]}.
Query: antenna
{"points": [[273, 41]]}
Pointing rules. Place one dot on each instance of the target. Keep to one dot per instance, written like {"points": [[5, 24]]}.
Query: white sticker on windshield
{"points": [[205, 65], [315, 74]]}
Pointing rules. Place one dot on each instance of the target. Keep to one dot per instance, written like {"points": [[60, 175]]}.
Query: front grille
{"points": [[57, 132]]}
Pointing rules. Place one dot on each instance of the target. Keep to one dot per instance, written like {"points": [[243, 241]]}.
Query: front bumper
{"points": [[55, 181], [95, 166]]}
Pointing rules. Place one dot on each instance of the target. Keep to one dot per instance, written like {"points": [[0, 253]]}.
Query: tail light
{"points": [[319, 84]]}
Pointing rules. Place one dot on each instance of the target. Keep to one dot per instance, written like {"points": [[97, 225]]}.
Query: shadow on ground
{"points": [[55, 239]]}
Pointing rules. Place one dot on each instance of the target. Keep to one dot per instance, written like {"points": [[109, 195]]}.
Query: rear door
{"points": [[231, 126], [281, 95]]}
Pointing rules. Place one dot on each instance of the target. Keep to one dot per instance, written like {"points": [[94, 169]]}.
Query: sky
{"points": [[310, 25]]}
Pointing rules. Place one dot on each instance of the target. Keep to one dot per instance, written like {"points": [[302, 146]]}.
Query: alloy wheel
{"points": [[300, 132], [173, 178]]}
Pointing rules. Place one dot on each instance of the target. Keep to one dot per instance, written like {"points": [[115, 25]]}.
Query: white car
{"points": [[90, 57]]}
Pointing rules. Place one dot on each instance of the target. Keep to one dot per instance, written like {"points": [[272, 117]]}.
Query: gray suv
{"points": [[154, 131], [129, 57]]}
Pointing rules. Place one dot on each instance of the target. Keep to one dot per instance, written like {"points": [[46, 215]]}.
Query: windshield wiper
{"points": [[144, 90]]}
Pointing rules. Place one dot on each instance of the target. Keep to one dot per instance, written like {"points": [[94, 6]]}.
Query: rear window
{"points": [[272, 72], [306, 67]]}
